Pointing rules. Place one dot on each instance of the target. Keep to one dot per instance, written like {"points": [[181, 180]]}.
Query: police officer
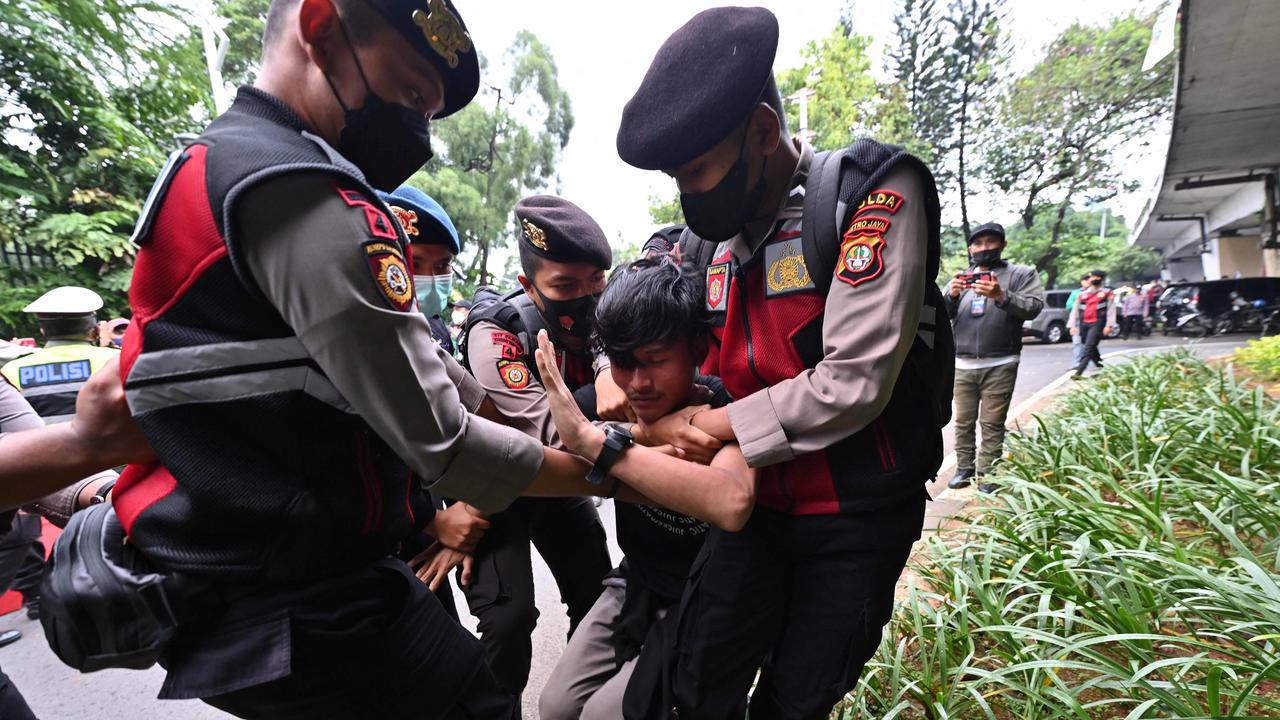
{"points": [[280, 368], [50, 377], [563, 257], [433, 244], [824, 351]]}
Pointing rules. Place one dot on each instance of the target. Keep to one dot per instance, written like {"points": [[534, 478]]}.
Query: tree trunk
{"points": [[1047, 262]]}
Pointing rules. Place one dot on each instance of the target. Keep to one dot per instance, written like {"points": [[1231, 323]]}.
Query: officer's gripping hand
{"points": [[956, 286], [989, 288], [432, 565], [611, 400], [103, 421], [459, 527], [678, 431], [576, 432]]}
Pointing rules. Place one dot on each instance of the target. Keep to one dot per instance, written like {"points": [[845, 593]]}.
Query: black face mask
{"points": [[719, 213], [1096, 282], [986, 258], [387, 141], [579, 313]]}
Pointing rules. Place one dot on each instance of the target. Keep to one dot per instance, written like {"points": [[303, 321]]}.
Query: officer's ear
{"points": [[317, 26], [765, 131], [527, 284]]}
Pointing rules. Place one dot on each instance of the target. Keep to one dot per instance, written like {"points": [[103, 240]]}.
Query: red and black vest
{"points": [[1094, 306], [265, 473], [772, 331]]}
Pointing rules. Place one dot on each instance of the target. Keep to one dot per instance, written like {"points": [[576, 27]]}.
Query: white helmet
{"points": [[66, 300]]}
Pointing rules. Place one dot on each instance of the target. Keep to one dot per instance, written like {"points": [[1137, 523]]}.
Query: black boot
{"points": [[961, 479]]}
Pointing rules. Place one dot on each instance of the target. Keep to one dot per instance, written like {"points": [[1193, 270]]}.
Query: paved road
{"points": [[56, 692]]}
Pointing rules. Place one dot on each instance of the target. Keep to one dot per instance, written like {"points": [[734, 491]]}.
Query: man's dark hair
{"points": [[360, 20], [771, 97], [75, 327], [1099, 273], [647, 301], [530, 261]]}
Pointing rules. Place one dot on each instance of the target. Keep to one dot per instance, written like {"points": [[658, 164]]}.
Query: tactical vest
{"points": [[265, 473], [770, 330], [515, 313], [1093, 308], [51, 377]]}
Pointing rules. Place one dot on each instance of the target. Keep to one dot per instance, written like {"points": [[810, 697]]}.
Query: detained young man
{"points": [[652, 324]]}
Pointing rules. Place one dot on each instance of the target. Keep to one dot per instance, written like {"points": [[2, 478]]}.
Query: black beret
{"points": [[663, 241], [559, 231], [986, 229], [1100, 273], [435, 29], [702, 84]]}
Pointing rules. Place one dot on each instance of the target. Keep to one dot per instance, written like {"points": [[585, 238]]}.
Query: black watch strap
{"points": [[616, 441], [100, 496]]}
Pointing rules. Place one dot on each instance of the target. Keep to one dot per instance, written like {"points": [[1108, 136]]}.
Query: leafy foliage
{"points": [[1262, 357], [502, 147], [1079, 247], [94, 94], [1127, 569]]}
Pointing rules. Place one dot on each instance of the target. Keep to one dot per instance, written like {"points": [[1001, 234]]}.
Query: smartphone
{"points": [[969, 278]]}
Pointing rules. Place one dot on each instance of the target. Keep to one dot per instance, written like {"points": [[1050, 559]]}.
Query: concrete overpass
{"points": [[1212, 212]]}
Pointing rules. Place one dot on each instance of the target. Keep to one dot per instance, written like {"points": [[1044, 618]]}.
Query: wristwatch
{"points": [[616, 440], [101, 496]]}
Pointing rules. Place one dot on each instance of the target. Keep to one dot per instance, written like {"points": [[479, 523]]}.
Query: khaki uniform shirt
{"points": [[867, 331], [304, 246]]}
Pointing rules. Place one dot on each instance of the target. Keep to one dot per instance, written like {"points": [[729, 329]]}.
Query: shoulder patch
{"points": [[861, 254], [380, 226], [390, 274], [514, 374], [885, 200], [509, 344], [408, 220], [717, 287]]}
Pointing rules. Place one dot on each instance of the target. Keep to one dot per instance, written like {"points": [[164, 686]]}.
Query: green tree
{"points": [[975, 59], [502, 147], [1080, 249], [94, 94], [1065, 123], [838, 72], [918, 110], [666, 211], [246, 19]]}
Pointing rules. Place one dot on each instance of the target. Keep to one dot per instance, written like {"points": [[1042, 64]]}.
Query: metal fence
{"points": [[21, 256]]}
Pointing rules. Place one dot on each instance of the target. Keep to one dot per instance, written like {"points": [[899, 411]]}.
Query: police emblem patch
{"points": [[535, 234], [860, 259], [717, 286], [514, 374], [443, 31], [785, 269], [408, 220], [886, 200], [390, 274]]}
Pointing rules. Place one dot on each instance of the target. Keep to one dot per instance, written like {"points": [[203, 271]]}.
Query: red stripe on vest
{"points": [[185, 242], [139, 487]]}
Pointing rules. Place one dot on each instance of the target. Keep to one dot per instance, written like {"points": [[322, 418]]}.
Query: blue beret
{"points": [[435, 29], [702, 84], [557, 230], [422, 218]]}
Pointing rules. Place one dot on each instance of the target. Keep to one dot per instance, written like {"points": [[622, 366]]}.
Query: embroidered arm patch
{"points": [[514, 374], [390, 274]]}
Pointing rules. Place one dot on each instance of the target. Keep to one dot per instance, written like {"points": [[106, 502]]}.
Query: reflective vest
{"points": [[265, 473], [51, 377]]}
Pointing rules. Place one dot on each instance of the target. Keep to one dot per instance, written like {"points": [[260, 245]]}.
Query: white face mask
{"points": [[433, 293]]}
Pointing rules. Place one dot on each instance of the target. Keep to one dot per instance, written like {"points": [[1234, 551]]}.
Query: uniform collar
{"points": [[261, 104], [64, 341], [746, 242]]}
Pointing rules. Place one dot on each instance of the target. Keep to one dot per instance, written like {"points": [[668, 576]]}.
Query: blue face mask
{"points": [[433, 293]]}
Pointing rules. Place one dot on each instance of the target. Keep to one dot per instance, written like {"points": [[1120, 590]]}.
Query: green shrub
{"points": [[1126, 569], [1262, 357]]}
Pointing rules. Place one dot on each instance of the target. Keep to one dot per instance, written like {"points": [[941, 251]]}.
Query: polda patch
{"points": [[390, 274], [514, 374], [717, 287]]}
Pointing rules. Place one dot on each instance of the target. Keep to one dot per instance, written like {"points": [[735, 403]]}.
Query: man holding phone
{"points": [[987, 305]]}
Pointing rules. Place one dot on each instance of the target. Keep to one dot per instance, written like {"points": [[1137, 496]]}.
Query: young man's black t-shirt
{"points": [[660, 545]]}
